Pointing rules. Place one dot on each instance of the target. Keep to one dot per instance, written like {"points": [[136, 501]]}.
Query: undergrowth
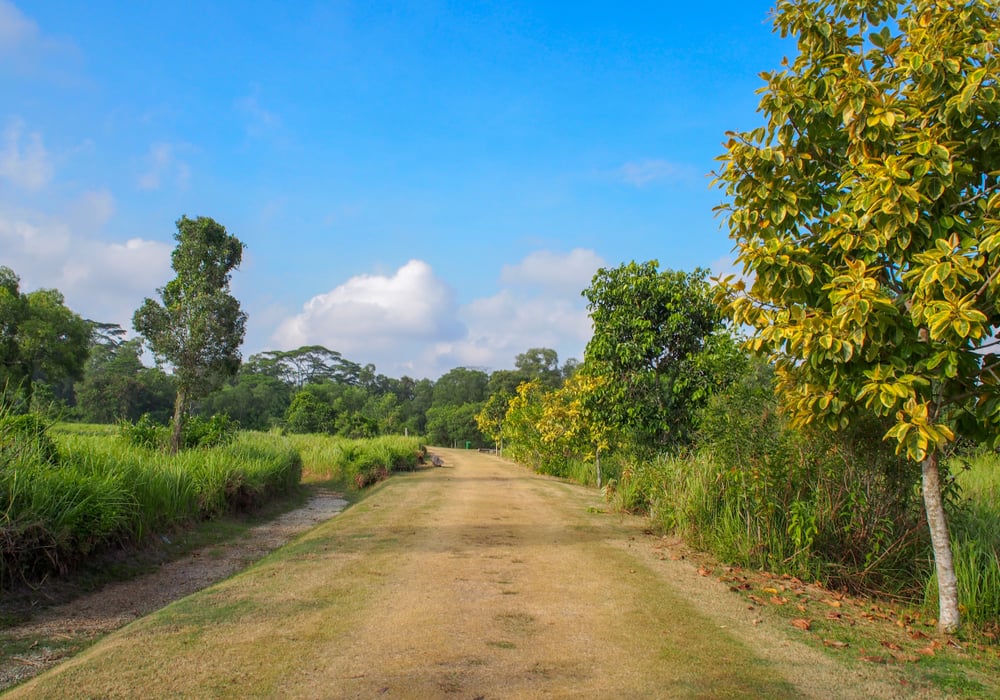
{"points": [[65, 495]]}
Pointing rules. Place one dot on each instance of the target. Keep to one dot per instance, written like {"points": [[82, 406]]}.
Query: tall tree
{"points": [[199, 327], [41, 339], [541, 364], [867, 209], [649, 327]]}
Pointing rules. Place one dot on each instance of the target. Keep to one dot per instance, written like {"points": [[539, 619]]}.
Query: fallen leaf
{"points": [[832, 603], [926, 651], [917, 634], [833, 616], [772, 591], [704, 572], [778, 600], [801, 623], [891, 645], [874, 659], [836, 644]]}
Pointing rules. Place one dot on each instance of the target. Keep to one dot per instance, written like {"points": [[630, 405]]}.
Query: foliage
{"points": [[460, 386], [307, 413], [215, 431], [492, 415], [145, 433], [521, 433], [199, 326], [649, 326], [868, 210], [40, 338], [454, 425], [976, 537], [116, 385]]}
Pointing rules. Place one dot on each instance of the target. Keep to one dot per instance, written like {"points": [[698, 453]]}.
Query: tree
{"points": [[541, 364], [199, 327], [649, 326], [117, 386], [867, 209], [41, 339], [491, 417], [460, 386]]}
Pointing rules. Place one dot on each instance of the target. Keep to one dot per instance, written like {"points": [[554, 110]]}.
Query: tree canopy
{"points": [[867, 211], [649, 326], [41, 339], [199, 327]]}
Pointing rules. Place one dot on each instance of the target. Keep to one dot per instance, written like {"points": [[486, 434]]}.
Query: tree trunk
{"points": [[597, 463], [175, 437], [947, 582]]}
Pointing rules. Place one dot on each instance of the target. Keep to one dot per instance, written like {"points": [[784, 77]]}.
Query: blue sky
{"points": [[419, 185]]}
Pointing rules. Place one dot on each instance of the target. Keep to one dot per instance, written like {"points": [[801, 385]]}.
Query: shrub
{"points": [[144, 433], [838, 507], [216, 431]]}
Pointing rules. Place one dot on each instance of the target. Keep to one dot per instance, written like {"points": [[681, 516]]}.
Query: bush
{"points": [[216, 431], [838, 507], [144, 433]]}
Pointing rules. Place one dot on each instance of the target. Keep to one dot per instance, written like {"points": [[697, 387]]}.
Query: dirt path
{"points": [[476, 580]]}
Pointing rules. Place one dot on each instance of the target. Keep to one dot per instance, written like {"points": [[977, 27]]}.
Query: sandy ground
{"points": [[475, 580]]}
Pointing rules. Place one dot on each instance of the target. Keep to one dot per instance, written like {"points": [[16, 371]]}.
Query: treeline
{"points": [[54, 362]]}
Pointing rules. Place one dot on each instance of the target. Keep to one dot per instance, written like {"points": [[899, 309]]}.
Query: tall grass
{"points": [[100, 491], [975, 538], [355, 464]]}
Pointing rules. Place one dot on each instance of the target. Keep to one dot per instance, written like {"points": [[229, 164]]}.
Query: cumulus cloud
{"points": [[570, 272], [409, 323], [103, 280], [163, 164], [376, 316], [23, 158], [641, 173]]}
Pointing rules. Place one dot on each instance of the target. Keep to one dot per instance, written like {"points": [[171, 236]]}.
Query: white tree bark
{"points": [[948, 614]]}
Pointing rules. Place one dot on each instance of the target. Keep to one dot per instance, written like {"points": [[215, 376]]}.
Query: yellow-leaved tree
{"points": [[866, 212]]}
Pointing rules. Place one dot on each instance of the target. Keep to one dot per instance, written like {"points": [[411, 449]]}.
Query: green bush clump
{"points": [[357, 463], [215, 431], [144, 433]]}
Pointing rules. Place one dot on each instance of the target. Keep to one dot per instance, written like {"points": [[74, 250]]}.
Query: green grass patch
{"points": [[66, 495], [351, 465]]}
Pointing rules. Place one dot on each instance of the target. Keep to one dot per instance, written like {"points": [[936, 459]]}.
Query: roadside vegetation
{"points": [[68, 495]]}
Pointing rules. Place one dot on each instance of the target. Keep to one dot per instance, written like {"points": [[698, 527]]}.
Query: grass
{"points": [[975, 535], [66, 494], [347, 465]]}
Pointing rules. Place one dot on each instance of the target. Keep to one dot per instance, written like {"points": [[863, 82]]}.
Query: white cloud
{"points": [[23, 158], [545, 269], [102, 280], [163, 164], [408, 323], [25, 48], [374, 318], [15, 28], [640, 173]]}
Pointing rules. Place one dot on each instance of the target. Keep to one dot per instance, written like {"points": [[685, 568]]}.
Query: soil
{"points": [[474, 580]]}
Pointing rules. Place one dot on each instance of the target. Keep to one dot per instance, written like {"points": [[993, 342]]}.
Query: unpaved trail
{"points": [[475, 580]]}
